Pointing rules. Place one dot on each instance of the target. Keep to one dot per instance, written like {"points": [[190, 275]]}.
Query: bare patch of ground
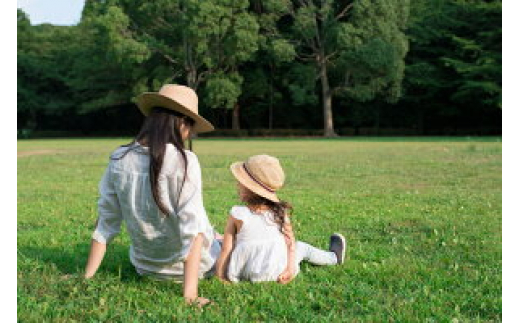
{"points": [[36, 152]]}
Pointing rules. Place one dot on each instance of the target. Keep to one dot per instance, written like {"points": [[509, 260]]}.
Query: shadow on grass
{"points": [[71, 260]]}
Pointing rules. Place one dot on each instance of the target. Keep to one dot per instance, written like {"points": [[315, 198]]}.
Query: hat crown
{"points": [[267, 170], [181, 94], [178, 98]]}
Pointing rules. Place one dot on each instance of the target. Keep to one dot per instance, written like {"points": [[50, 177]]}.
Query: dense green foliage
{"points": [[422, 219], [423, 65], [457, 56]]}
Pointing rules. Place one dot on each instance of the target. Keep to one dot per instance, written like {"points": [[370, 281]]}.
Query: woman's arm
{"points": [[227, 248], [288, 274], [191, 270], [95, 257], [107, 226], [190, 213]]}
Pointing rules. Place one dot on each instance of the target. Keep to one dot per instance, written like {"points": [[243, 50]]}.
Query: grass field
{"points": [[422, 218]]}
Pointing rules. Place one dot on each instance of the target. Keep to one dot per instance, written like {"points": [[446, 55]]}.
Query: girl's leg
{"points": [[305, 251]]}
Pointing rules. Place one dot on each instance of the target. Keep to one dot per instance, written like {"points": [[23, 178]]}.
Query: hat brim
{"points": [[149, 100], [237, 169]]}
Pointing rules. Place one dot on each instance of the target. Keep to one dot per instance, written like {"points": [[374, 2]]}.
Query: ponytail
{"points": [[281, 210], [161, 127]]}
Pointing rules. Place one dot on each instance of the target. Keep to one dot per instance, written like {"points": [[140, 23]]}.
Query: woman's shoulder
{"points": [[118, 151], [172, 152], [173, 163], [192, 157], [121, 151]]}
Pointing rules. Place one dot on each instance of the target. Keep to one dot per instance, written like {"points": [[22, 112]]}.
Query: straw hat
{"points": [[261, 174], [178, 98]]}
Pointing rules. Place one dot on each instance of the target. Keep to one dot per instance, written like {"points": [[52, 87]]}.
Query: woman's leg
{"points": [[305, 251], [218, 236]]}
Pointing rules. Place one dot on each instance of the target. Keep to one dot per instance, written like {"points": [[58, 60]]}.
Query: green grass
{"points": [[422, 218]]}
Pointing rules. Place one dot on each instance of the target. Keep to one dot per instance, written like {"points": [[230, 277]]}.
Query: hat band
{"points": [[254, 179]]}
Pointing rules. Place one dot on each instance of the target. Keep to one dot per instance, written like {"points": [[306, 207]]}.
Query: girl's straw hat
{"points": [[177, 98], [261, 174]]}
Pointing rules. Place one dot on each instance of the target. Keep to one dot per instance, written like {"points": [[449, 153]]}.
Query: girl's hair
{"points": [[162, 126], [280, 209]]}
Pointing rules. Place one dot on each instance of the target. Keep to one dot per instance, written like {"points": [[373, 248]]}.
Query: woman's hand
{"points": [[286, 276], [199, 301]]}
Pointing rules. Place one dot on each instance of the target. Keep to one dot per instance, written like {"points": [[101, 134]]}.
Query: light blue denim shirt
{"points": [[160, 243]]}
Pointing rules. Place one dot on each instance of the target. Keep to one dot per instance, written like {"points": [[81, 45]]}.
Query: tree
{"points": [[477, 52], [274, 52], [359, 45], [454, 65], [42, 68], [108, 67], [267, 58], [203, 42]]}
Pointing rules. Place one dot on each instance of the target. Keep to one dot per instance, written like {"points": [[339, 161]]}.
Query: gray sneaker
{"points": [[338, 245]]}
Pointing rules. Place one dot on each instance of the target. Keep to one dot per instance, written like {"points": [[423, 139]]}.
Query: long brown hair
{"points": [[280, 210], [162, 126]]}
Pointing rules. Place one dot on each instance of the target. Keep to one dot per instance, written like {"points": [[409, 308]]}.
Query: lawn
{"points": [[422, 217]]}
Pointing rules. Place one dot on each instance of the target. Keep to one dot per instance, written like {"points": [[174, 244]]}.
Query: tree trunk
{"points": [[32, 121], [191, 70], [378, 119], [271, 99], [328, 125], [420, 121], [192, 79], [271, 113], [235, 125]]}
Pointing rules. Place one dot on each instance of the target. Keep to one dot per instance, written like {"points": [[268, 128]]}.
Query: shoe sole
{"points": [[344, 246]]}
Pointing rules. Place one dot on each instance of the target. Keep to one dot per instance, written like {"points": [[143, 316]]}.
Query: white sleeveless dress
{"points": [[260, 252]]}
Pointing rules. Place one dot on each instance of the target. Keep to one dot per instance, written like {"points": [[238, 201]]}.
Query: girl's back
{"points": [[254, 247], [260, 252]]}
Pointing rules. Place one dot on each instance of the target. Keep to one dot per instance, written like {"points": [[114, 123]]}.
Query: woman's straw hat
{"points": [[178, 98], [261, 174]]}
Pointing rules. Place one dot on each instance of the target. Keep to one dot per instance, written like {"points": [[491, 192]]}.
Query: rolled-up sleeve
{"points": [[109, 211], [191, 215]]}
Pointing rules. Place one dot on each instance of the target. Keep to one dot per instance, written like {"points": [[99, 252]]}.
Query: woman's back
{"points": [[158, 244], [170, 232]]}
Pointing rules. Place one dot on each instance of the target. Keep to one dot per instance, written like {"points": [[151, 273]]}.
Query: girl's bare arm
{"points": [[227, 248], [288, 274]]}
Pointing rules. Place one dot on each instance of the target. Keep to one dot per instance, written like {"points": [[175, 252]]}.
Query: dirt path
{"points": [[36, 152]]}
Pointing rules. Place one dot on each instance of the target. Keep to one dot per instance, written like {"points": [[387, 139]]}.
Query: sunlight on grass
{"points": [[422, 219]]}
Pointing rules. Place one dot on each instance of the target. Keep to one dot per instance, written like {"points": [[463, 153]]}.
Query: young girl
{"points": [[259, 242], [155, 186]]}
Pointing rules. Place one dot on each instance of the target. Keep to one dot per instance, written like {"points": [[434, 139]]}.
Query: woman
{"points": [[155, 185]]}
